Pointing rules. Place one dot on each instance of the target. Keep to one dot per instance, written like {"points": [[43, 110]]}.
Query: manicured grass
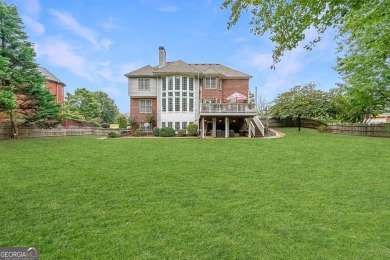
{"points": [[305, 196]]}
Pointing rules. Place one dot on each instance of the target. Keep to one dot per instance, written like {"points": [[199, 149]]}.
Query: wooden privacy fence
{"points": [[26, 132], [380, 130], [289, 122]]}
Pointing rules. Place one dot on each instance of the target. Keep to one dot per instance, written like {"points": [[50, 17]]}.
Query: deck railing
{"points": [[227, 108]]}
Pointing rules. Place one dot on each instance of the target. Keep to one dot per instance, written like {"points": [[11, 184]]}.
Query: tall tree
{"points": [[287, 21], [365, 62], [83, 102], [19, 73], [303, 101], [108, 110]]}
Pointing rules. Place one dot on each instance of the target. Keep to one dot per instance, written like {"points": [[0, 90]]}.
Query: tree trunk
{"points": [[299, 123], [14, 126]]}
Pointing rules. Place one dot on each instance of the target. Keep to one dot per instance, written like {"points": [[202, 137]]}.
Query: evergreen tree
{"points": [[19, 74]]}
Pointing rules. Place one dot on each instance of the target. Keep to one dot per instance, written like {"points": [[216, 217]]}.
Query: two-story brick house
{"points": [[53, 84], [210, 95]]}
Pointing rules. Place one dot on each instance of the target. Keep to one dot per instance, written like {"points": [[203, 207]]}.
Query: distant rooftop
{"points": [[49, 76]]}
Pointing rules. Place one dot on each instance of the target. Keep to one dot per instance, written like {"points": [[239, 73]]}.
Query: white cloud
{"points": [[108, 25], [239, 39], [30, 7], [106, 43], [85, 33], [113, 90], [58, 53], [33, 26], [168, 9]]}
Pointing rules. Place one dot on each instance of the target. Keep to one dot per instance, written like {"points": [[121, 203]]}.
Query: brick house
{"points": [[55, 86], [177, 93]]}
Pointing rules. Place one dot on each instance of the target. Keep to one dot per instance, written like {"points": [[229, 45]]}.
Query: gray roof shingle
{"points": [[177, 67], [144, 71], [49, 76], [184, 68]]}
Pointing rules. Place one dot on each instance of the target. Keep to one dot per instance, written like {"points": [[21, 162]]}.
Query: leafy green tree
{"points": [[365, 62], [286, 21], [83, 102], [108, 110], [364, 39], [357, 105], [303, 101], [19, 74]]}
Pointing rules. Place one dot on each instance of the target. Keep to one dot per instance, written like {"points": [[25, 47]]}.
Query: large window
{"points": [[177, 104], [184, 104], [211, 83], [176, 92], [143, 84], [177, 83], [145, 106]]}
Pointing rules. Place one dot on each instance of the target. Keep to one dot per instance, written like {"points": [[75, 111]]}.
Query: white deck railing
{"points": [[259, 124], [227, 108]]}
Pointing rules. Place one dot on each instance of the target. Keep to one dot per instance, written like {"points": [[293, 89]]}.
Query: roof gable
{"points": [[218, 69], [49, 76], [144, 71], [177, 67]]}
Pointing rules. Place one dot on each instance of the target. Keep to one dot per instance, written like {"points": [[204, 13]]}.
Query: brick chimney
{"points": [[162, 59]]}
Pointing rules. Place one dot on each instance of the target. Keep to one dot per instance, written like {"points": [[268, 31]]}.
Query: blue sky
{"points": [[93, 43]]}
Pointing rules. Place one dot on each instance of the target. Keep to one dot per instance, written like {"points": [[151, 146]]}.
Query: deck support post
{"points": [[214, 131], [226, 127]]}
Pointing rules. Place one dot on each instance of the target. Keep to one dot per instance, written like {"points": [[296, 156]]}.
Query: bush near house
{"points": [[192, 129], [167, 132], [182, 132], [156, 131], [114, 134], [138, 132], [105, 125]]}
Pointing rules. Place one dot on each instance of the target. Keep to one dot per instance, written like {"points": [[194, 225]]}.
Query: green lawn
{"points": [[305, 196]]}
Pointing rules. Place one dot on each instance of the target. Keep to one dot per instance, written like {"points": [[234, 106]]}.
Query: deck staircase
{"points": [[257, 127]]}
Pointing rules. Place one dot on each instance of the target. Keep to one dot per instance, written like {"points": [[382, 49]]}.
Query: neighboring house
{"points": [[177, 93], [381, 118], [55, 86]]}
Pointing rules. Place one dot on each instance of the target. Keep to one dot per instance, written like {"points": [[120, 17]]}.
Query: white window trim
{"points": [[211, 79], [148, 109], [144, 84]]}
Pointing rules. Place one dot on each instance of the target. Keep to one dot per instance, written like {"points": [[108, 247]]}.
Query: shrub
{"points": [[156, 131], [114, 134], [167, 132], [122, 121], [133, 121], [182, 132], [138, 132], [192, 129], [323, 128], [105, 125]]}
